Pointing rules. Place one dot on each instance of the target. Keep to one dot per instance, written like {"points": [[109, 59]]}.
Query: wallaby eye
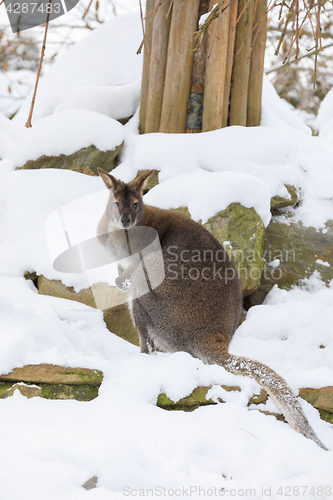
{"points": [[115, 204], [135, 206]]}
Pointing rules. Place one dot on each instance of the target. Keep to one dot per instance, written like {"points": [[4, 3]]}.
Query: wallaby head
{"points": [[125, 207]]}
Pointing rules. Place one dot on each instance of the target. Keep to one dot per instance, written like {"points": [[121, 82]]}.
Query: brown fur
{"points": [[193, 309]]}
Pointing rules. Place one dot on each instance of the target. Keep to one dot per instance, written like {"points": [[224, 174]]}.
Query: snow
{"points": [[67, 132], [114, 101], [90, 63], [207, 193], [14, 86], [51, 448]]}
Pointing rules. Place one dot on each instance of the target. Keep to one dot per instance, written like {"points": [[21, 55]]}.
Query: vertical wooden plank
{"points": [[179, 66], [215, 78], [146, 68], [158, 62], [194, 115], [241, 67], [230, 60], [257, 64]]}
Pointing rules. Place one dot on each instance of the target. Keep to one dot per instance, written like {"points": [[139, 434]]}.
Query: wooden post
{"points": [[194, 116], [241, 67], [179, 66], [146, 68], [158, 62], [257, 64], [215, 78], [230, 60]]}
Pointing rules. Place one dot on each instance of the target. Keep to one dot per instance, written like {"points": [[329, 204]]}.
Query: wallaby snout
{"points": [[126, 221]]}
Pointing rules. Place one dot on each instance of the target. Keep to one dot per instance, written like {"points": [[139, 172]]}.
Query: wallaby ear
{"points": [[141, 181], [110, 181]]}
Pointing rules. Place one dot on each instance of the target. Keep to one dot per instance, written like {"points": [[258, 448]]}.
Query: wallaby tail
{"points": [[276, 387]]}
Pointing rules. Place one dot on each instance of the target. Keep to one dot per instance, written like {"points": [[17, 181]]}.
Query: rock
{"points": [[52, 382], [189, 403], [108, 298], [29, 391], [91, 483], [280, 202], [86, 160], [118, 321], [198, 398], [152, 181], [241, 232], [56, 288], [322, 399], [298, 252], [52, 374]]}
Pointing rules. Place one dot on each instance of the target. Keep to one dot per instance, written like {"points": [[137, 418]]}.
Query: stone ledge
{"points": [[52, 374], [321, 399]]}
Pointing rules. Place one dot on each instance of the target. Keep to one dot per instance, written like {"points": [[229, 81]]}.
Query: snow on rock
{"points": [[67, 132], [275, 155], [41, 192], [116, 102], [207, 193], [106, 57]]}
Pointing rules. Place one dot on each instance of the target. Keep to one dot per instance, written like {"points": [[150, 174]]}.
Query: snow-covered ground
{"points": [[50, 448]]}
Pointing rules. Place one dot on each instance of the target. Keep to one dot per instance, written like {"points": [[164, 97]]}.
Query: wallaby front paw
{"points": [[123, 284]]}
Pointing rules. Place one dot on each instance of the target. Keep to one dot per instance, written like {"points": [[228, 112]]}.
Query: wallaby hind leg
{"points": [[141, 320]]}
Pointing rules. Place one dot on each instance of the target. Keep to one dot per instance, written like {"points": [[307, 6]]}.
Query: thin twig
{"points": [[28, 124], [87, 9], [278, 67], [142, 24], [153, 14]]}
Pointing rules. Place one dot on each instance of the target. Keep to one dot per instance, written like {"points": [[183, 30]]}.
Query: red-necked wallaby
{"points": [[198, 305]]}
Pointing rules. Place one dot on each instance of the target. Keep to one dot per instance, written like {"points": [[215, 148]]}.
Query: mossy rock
{"points": [[199, 398], [152, 181], [278, 202], [49, 391], [102, 296], [299, 252], [85, 161], [322, 398], [189, 403], [53, 374], [241, 232]]}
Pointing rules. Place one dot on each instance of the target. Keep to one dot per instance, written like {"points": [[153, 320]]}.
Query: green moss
{"points": [[189, 403], [326, 415], [64, 391], [4, 386], [86, 160], [279, 202]]}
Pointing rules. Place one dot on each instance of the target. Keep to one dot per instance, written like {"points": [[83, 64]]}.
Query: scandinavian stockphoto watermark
{"points": [[27, 14], [74, 247]]}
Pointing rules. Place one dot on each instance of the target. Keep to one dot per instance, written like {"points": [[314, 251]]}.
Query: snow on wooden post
{"points": [[230, 59], [257, 63], [179, 65], [241, 67], [216, 65], [158, 62], [146, 67]]}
